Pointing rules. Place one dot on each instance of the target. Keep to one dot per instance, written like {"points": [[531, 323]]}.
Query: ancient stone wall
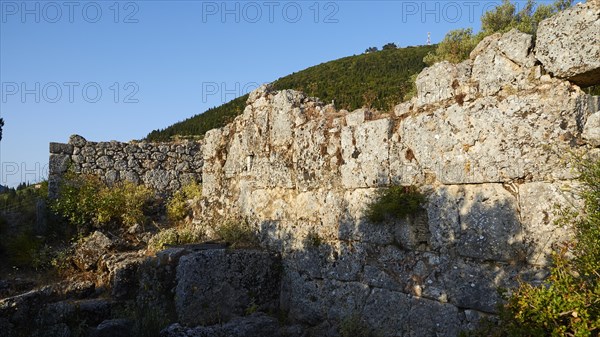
{"points": [[486, 141], [165, 167]]}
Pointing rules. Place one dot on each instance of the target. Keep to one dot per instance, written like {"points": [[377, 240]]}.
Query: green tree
{"points": [[456, 47], [389, 46], [458, 44]]}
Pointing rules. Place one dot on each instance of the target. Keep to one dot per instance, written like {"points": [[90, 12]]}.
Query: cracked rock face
{"points": [[568, 44]]}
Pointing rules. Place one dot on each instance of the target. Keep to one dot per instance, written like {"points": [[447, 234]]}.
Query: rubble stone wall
{"points": [[165, 167]]}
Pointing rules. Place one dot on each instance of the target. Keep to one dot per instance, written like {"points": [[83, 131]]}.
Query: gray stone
{"points": [[255, 325], [568, 44], [217, 285], [364, 148], [59, 148], [437, 83], [59, 163], [88, 253], [113, 328], [123, 275], [591, 130], [77, 141], [517, 46]]}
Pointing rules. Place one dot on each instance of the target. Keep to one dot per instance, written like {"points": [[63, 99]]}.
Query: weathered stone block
{"points": [[59, 148], [216, 285], [591, 130], [568, 44]]}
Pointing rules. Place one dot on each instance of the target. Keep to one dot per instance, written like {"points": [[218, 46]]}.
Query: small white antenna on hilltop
{"points": [[429, 38]]}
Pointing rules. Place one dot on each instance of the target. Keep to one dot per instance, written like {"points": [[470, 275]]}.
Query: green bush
{"points": [[22, 249], [85, 200], [178, 207], [237, 233], [395, 202], [455, 48], [175, 236]]}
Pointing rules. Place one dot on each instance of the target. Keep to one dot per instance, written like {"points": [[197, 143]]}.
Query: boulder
{"points": [[89, 252], [113, 328], [568, 44]]}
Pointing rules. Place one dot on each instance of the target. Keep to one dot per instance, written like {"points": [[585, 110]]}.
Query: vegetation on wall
{"points": [[395, 202], [568, 303]]}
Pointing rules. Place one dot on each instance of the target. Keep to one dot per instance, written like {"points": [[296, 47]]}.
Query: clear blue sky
{"points": [[159, 62]]}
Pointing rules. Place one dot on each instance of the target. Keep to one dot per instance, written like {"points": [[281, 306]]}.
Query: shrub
{"points": [[178, 207], [22, 249], [85, 200], [396, 202], [62, 262], [237, 233], [456, 47], [175, 236]]}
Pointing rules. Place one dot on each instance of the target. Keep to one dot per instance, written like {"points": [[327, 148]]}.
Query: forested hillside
{"points": [[378, 79]]}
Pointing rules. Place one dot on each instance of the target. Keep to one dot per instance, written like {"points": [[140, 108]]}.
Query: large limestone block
{"points": [[213, 286], [316, 155], [516, 46], [538, 202], [502, 61], [479, 222], [591, 130], [399, 314], [493, 140], [568, 44], [441, 81], [365, 152]]}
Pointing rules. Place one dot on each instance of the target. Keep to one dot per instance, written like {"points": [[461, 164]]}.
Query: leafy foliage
{"points": [[19, 215], [396, 202], [174, 236], [379, 79], [238, 233], [178, 207], [389, 46], [456, 47], [85, 200]]}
